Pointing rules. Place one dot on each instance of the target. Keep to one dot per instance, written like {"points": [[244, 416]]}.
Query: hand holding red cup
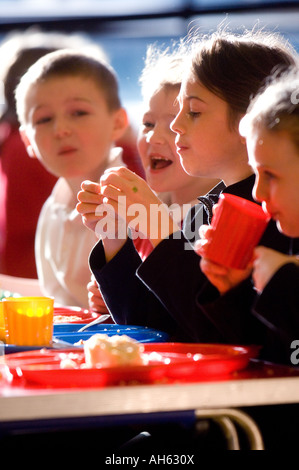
{"points": [[237, 227]]}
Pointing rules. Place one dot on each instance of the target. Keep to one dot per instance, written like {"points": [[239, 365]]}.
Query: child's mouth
{"points": [[159, 163], [66, 150]]}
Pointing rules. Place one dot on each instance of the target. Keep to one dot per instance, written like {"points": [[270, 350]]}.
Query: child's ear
{"points": [[121, 123], [27, 143], [243, 139]]}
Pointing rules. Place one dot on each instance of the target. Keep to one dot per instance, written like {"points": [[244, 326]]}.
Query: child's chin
{"points": [[292, 232]]}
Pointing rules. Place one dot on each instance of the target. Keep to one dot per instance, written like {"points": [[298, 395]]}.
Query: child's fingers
{"points": [[124, 186], [121, 171], [95, 299], [90, 219], [200, 247], [215, 208], [122, 179], [204, 231], [87, 210], [211, 268], [92, 286], [90, 186], [88, 197], [133, 192], [111, 192]]}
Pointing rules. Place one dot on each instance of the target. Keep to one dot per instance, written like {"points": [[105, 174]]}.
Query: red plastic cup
{"points": [[237, 227]]}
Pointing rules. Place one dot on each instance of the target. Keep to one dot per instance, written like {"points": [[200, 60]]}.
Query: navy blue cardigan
{"points": [[168, 291]]}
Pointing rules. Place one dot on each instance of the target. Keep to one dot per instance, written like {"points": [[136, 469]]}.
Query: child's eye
{"points": [[43, 120], [194, 114], [148, 125], [269, 175], [79, 112]]}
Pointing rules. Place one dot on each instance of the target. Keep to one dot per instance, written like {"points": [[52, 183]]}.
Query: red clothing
{"points": [[131, 158], [24, 186], [144, 247]]}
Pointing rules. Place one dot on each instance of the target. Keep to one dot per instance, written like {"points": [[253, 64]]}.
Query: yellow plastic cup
{"points": [[2, 324], [28, 320]]}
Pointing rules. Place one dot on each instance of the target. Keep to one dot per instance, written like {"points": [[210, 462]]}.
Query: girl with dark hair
{"points": [[271, 129]]}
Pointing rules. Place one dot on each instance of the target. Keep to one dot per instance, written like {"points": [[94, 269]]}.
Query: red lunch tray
{"points": [[166, 362]]}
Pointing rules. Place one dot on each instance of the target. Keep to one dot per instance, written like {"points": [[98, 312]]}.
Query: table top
{"points": [[259, 384]]}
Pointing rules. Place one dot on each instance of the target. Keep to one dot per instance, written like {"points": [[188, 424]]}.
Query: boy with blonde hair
{"points": [[70, 114]]}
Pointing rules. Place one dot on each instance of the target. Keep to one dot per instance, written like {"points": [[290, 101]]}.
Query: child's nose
{"points": [[259, 192], [61, 128], [156, 136], [177, 125]]}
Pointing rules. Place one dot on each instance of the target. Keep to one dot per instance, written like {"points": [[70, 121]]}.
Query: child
{"points": [[271, 128], [170, 290], [70, 115], [20, 198], [160, 82]]}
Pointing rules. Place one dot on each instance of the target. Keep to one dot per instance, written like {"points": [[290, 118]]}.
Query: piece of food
{"points": [[66, 318], [103, 351]]}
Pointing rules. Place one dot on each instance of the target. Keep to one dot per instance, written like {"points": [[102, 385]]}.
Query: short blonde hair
{"points": [[64, 63], [162, 68], [20, 49], [276, 107]]}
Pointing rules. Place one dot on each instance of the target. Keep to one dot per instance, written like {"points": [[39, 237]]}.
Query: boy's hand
{"points": [[221, 277], [266, 263]]}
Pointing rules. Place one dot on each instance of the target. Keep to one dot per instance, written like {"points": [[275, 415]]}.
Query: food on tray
{"points": [[7, 293], [68, 363], [73, 315], [100, 349], [66, 318]]}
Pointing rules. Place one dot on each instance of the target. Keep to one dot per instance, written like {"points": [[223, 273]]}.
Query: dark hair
{"points": [[235, 66], [67, 62]]}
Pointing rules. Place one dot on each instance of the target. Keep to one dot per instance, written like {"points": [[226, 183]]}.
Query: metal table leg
{"points": [[229, 431], [234, 416]]}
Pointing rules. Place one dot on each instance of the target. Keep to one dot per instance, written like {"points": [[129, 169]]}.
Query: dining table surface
{"points": [[220, 392], [256, 385], [259, 384]]}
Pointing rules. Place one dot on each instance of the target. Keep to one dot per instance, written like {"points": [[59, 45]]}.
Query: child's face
{"points": [[205, 142], [69, 126], [156, 143], [275, 161]]}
